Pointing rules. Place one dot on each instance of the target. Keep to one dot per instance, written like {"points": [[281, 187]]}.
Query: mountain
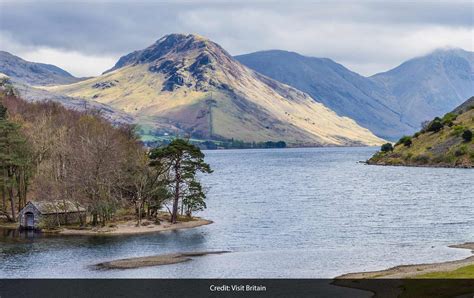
{"points": [[464, 106], [189, 84], [390, 104], [444, 142], [346, 92], [425, 87], [33, 73]]}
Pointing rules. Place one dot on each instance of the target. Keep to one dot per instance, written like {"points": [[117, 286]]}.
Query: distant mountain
{"points": [[189, 84], [346, 92], [444, 142], [425, 87], [33, 73], [390, 104]]}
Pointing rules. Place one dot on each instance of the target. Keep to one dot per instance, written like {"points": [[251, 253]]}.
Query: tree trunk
{"points": [[174, 214], [139, 207], [4, 190], [12, 203], [94, 218], [4, 200]]}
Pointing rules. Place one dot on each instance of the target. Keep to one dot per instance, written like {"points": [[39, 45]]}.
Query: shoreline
{"points": [[418, 280], [130, 228], [418, 166], [414, 270]]}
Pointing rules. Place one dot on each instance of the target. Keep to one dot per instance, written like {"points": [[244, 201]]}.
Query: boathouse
{"points": [[36, 215]]}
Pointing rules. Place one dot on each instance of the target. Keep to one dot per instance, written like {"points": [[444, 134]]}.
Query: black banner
{"points": [[91, 288]]}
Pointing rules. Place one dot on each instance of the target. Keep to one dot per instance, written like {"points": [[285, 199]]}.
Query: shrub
{"points": [[436, 125], [448, 119], [417, 134], [467, 135], [458, 130], [387, 147], [406, 140]]}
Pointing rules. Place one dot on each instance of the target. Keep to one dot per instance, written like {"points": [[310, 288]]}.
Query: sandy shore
{"points": [[130, 228], [411, 271], [157, 260]]}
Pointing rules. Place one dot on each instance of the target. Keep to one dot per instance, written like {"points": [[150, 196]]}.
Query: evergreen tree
{"points": [[14, 162], [182, 161]]}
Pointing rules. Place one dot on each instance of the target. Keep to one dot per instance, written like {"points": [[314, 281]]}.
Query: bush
{"points": [[467, 135], [406, 140], [436, 125], [448, 119], [458, 130], [387, 147]]}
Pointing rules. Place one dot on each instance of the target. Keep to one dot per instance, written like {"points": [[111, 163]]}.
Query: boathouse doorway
{"points": [[29, 220]]}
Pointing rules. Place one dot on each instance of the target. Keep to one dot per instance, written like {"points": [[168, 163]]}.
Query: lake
{"points": [[295, 213]]}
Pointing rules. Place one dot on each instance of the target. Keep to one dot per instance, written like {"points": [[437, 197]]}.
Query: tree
{"points": [[194, 199], [144, 184], [467, 135], [14, 162], [387, 147], [181, 161]]}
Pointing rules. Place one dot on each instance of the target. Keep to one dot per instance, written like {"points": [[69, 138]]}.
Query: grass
{"points": [[460, 273], [443, 148]]}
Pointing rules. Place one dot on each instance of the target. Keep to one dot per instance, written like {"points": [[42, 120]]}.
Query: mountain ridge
{"points": [[368, 100], [33, 73], [187, 83]]}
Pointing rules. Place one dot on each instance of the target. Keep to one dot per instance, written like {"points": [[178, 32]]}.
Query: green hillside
{"points": [[443, 142]]}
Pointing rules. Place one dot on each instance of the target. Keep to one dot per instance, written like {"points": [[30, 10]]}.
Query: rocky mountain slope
{"points": [[444, 142], [186, 83], [33, 73], [390, 104]]}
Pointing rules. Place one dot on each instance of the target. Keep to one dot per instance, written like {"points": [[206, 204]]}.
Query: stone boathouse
{"points": [[36, 215]]}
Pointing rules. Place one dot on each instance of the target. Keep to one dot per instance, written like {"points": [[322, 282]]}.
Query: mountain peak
{"points": [[175, 44], [189, 84], [185, 60]]}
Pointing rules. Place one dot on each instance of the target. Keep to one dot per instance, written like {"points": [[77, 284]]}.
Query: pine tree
{"points": [[13, 161], [182, 161]]}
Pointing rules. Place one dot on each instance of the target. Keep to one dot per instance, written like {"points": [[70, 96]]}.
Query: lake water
{"points": [[283, 213]]}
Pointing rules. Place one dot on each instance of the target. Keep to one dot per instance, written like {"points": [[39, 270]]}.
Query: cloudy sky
{"points": [[87, 37]]}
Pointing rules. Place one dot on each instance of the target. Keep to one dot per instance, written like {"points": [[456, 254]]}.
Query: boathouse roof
{"points": [[54, 207]]}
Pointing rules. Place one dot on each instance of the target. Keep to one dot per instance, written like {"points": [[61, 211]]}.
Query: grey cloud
{"points": [[350, 32]]}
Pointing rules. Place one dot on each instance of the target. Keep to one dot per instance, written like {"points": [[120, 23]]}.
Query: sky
{"points": [[87, 37]]}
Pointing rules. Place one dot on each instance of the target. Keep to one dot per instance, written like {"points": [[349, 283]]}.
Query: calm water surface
{"points": [[283, 213]]}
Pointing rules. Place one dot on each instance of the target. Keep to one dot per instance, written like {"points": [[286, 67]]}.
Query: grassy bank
{"points": [[444, 142], [440, 280]]}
